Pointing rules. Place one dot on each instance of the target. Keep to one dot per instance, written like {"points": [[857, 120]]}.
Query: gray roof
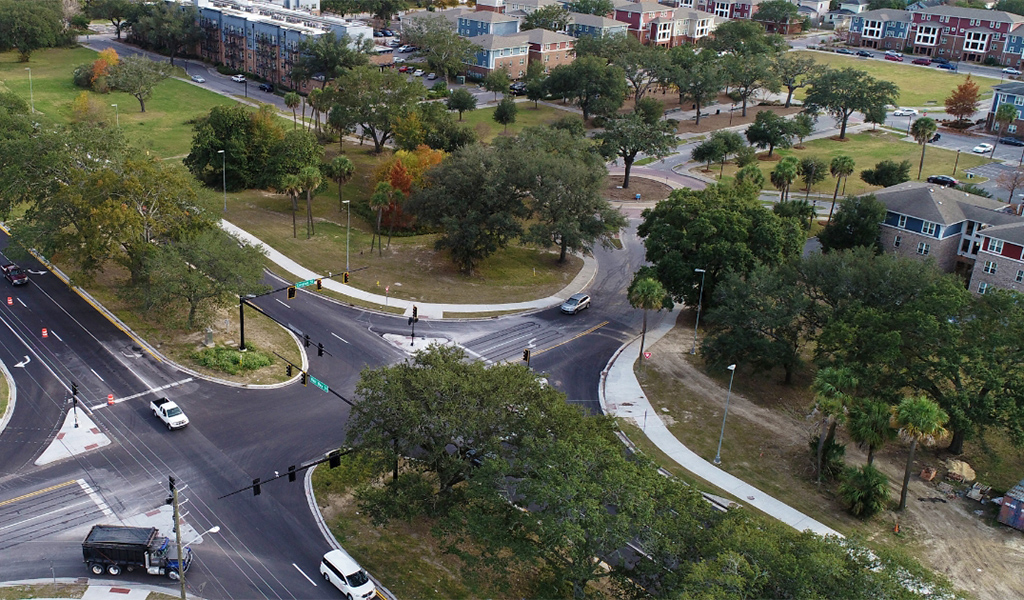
{"points": [[642, 7], [490, 41], [543, 36], [1011, 232], [885, 14], [452, 14], [943, 205], [595, 20], [486, 16], [973, 13], [1015, 88], [692, 13]]}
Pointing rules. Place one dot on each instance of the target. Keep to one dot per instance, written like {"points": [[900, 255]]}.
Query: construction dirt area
{"points": [[948, 532]]}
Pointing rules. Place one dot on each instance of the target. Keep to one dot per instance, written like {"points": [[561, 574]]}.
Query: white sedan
{"points": [[418, 73], [1011, 71], [982, 148], [238, 78], [904, 112], [198, 79]]}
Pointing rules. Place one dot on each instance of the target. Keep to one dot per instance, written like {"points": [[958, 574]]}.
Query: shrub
{"points": [[82, 76], [746, 155], [866, 490], [975, 189], [832, 462], [231, 360]]}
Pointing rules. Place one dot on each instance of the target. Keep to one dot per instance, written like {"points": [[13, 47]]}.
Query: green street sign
{"points": [[318, 383], [305, 283]]}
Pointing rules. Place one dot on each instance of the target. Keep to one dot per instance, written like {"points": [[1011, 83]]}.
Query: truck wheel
{"points": [[96, 568], [173, 575], [169, 428], [114, 570]]}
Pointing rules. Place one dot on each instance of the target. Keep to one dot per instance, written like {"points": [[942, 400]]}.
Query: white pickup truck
{"points": [[169, 412]]}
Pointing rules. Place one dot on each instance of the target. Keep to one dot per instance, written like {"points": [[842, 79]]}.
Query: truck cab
{"points": [[169, 412]]}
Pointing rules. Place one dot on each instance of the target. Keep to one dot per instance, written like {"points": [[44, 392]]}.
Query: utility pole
{"points": [[177, 535]]}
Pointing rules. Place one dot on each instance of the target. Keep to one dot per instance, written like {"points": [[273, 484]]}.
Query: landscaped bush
{"points": [[866, 490], [832, 464], [231, 360]]}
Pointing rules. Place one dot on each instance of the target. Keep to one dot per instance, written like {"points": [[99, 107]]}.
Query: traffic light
{"points": [[291, 292], [256, 487], [170, 484], [319, 284], [320, 349], [74, 389], [303, 378], [334, 459], [288, 370], [291, 473], [306, 339], [344, 278], [526, 355], [414, 311]]}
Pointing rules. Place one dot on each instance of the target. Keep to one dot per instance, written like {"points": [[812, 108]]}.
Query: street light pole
{"points": [[31, 99], [700, 300], [348, 229], [224, 172], [718, 454], [117, 118]]}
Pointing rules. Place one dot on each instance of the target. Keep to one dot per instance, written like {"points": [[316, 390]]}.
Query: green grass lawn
{"points": [[162, 129], [919, 86], [867, 149], [482, 120]]}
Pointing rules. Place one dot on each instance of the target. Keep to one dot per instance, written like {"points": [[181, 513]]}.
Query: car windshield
{"points": [[15, 271], [572, 301], [357, 579], [174, 412]]}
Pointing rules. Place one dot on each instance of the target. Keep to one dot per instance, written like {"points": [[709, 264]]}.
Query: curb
{"points": [[12, 399]]}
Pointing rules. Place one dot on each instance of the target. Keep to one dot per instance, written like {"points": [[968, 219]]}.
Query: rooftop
{"points": [[973, 13], [544, 36], [491, 41], [945, 206], [486, 16], [885, 14], [594, 20]]}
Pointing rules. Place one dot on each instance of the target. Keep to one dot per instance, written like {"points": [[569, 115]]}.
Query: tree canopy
{"points": [[856, 224], [445, 51], [329, 56], [377, 99], [629, 135], [842, 92], [137, 75], [596, 87], [28, 26]]}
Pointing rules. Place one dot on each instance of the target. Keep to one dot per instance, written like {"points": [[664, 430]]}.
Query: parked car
{"points": [[403, 48], [387, 33], [1011, 71], [865, 54], [921, 61], [238, 78], [518, 88], [844, 51], [943, 180], [399, 59], [893, 58], [904, 112], [575, 304], [343, 572], [378, 34], [893, 53], [266, 87], [198, 79], [14, 274], [982, 148], [410, 49], [432, 76], [418, 73], [940, 61], [947, 66], [1011, 141], [394, 43], [935, 138], [403, 68]]}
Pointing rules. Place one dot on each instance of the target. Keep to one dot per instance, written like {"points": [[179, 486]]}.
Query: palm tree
{"points": [[292, 101], [292, 185], [923, 129], [870, 424], [832, 387], [866, 490], [337, 120], [1005, 114], [381, 199], [919, 419], [314, 97], [784, 174], [339, 170], [311, 178], [842, 167], [646, 294]]}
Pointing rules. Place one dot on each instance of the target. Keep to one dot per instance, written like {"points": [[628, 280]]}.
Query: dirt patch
{"points": [[774, 425], [649, 190]]}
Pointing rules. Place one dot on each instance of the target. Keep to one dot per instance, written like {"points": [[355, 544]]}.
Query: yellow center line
{"points": [[38, 492], [575, 337]]}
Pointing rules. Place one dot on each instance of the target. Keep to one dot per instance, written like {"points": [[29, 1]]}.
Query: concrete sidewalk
{"points": [[621, 396], [425, 309]]}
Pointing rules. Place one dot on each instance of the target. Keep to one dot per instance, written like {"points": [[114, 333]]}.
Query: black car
{"points": [[940, 61], [935, 138], [266, 87], [943, 180], [378, 34], [1011, 141], [844, 51], [517, 89], [865, 54], [387, 33]]}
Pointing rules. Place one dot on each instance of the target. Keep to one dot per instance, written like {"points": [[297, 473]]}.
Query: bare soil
{"points": [[954, 535], [712, 122], [649, 190]]}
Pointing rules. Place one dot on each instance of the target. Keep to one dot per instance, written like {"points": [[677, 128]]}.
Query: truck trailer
{"points": [[114, 548]]}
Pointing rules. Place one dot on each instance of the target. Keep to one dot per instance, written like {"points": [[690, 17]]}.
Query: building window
{"points": [[926, 36], [995, 246], [1013, 128], [1020, 277], [982, 288], [923, 249], [903, 222], [990, 267], [896, 241], [1018, 100], [522, 61], [975, 41], [929, 228]]}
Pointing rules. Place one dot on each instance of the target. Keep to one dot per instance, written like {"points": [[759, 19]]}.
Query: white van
{"points": [[345, 573]]}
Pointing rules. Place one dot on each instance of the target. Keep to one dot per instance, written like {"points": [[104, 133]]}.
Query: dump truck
{"points": [[115, 548]]}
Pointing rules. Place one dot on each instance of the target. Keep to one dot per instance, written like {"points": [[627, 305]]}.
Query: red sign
{"points": [[647, 354]]}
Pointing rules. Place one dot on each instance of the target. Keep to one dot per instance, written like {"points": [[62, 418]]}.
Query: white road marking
{"points": [[286, 306], [98, 376], [22, 303], [62, 509], [304, 575], [149, 391], [24, 362], [96, 498], [55, 335], [339, 337]]}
